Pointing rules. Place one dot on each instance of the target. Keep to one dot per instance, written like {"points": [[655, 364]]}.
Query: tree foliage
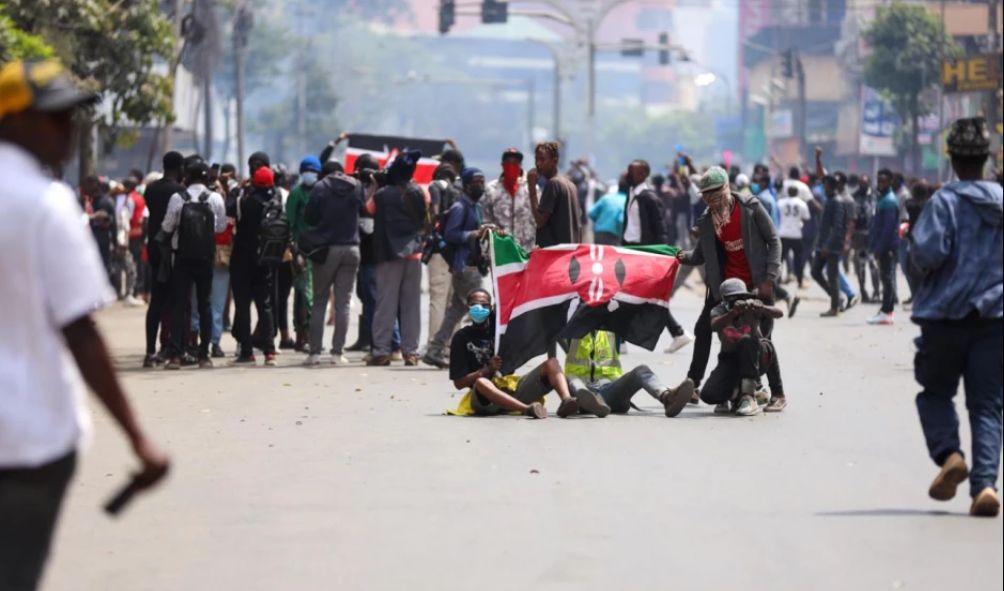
{"points": [[15, 43], [113, 46]]}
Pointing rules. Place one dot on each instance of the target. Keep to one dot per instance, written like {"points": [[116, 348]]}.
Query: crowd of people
{"points": [[198, 238]]}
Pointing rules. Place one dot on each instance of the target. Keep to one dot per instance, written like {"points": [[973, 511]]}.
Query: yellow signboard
{"points": [[972, 74]]}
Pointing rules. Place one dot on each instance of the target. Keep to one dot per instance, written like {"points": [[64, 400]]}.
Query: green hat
{"points": [[714, 178]]}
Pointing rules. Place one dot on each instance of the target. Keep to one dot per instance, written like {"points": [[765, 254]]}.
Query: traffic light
{"points": [[447, 15], [788, 63], [633, 47], [494, 12], [664, 57]]}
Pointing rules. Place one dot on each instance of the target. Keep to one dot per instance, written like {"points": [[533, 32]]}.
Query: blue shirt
{"points": [[608, 213], [462, 221], [884, 233], [769, 203], [956, 245]]}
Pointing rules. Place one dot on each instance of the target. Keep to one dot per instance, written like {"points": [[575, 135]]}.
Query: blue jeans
{"points": [[217, 301], [972, 349], [845, 285]]}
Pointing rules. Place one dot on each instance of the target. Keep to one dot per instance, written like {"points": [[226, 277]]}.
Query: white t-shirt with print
{"points": [[52, 276], [794, 214]]}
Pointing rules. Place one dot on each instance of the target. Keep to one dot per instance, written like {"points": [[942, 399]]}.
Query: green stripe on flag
{"points": [[663, 249], [506, 251]]}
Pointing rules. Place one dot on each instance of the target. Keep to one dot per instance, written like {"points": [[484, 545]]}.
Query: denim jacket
{"points": [[956, 245], [884, 233]]}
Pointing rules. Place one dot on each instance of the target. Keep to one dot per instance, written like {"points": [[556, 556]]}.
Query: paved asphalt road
{"points": [[352, 478]]}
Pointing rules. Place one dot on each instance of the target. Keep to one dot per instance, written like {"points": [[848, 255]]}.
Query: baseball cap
{"points": [[512, 153], [310, 163], [714, 178], [42, 85]]}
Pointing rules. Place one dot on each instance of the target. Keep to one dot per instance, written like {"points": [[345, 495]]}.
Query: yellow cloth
{"points": [[465, 409]]}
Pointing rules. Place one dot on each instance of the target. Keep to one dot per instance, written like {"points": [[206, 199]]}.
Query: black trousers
{"points": [[796, 263], [750, 359], [830, 283], [185, 275], [702, 341], [672, 325], [283, 287], [30, 499], [160, 305], [887, 271], [251, 282]]}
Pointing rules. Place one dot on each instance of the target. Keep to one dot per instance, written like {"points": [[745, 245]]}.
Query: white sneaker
{"points": [[133, 302], [312, 360], [881, 319], [339, 360], [680, 342], [747, 407]]}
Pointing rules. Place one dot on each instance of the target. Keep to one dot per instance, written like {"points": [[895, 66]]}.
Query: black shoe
{"points": [[364, 341], [243, 359], [188, 359], [218, 352], [287, 344], [793, 306], [152, 361]]}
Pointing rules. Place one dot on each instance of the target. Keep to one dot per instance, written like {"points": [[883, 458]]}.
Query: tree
{"points": [[18, 44], [907, 45], [112, 46]]}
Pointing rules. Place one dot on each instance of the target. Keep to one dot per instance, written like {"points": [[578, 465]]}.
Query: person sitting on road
{"points": [[473, 365], [593, 367], [745, 354]]}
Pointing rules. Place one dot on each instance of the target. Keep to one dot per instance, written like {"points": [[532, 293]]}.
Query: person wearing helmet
{"points": [[746, 354]]}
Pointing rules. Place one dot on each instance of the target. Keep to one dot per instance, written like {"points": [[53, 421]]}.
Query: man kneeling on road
{"points": [[593, 367], [745, 354], [472, 365]]}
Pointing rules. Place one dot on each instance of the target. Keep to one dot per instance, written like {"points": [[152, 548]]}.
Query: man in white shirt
{"points": [[53, 279], [794, 213], [193, 242], [794, 180]]}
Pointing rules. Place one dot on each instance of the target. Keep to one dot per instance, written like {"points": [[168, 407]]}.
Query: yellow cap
{"points": [[42, 85]]}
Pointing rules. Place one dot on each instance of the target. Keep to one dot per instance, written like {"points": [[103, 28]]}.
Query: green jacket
{"points": [[296, 204]]}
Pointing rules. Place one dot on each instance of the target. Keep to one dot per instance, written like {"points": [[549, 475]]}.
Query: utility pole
{"points": [[243, 21], [800, 75]]}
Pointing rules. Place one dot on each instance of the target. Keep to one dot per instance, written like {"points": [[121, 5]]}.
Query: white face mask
{"points": [[308, 178]]}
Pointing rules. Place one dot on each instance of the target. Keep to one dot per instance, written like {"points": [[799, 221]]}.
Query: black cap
{"points": [[512, 153], [969, 137]]}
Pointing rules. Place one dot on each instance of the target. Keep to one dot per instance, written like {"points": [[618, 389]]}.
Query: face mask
{"points": [[479, 313], [475, 193], [308, 178], [511, 171], [755, 187]]}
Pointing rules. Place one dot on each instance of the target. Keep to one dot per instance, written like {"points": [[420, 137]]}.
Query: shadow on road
{"points": [[890, 513]]}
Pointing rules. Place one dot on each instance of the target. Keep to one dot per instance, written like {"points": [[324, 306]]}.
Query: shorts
{"points": [[529, 388]]}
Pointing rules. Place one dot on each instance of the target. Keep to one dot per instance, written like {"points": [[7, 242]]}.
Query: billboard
{"points": [[972, 74], [878, 125]]}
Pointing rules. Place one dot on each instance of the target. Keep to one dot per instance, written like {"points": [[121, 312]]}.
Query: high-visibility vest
{"points": [[594, 357]]}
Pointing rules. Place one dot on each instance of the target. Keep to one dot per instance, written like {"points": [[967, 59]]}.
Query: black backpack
{"points": [[196, 229], [274, 236]]}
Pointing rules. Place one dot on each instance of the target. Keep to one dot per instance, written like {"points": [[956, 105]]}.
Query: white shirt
{"points": [[51, 276], [794, 213], [804, 192], [632, 217], [173, 215]]}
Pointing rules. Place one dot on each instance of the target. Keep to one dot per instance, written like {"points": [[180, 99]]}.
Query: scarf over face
{"points": [[720, 202]]}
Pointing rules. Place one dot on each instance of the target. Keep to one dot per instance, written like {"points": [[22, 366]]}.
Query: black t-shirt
{"points": [[157, 196], [560, 199], [471, 349]]}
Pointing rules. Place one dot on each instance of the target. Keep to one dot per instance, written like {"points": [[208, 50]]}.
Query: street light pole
{"points": [[242, 24]]}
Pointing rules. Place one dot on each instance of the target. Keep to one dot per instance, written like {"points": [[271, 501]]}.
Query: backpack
{"points": [[274, 236], [196, 229]]}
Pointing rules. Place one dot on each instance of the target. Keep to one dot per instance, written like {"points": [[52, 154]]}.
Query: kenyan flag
{"points": [[568, 290]]}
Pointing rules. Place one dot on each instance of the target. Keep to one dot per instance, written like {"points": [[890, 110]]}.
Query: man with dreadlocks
{"points": [[736, 240]]}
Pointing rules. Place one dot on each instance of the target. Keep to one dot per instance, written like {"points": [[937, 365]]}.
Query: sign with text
{"points": [[878, 125], [972, 74]]}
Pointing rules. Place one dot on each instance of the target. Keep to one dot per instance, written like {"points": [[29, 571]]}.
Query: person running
{"points": [[883, 241], [333, 217], [957, 247], [251, 280], [833, 228], [507, 201], [474, 366], [593, 367], [193, 218], [158, 316], [462, 229], [736, 240], [49, 338], [644, 224], [556, 211], [746, 353]]}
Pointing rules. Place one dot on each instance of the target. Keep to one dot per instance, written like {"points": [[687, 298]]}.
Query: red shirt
{"points": [[736, 264], [136, 223]]}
